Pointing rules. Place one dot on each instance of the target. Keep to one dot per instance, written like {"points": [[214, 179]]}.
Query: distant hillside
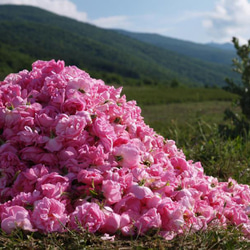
{"points": [[211, 52], [224, 46], [29, 33]]}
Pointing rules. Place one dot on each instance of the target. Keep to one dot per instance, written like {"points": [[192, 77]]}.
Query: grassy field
{"points": [[191, 118], [155, 95]]}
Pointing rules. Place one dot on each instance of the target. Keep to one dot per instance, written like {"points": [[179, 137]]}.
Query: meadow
{"points": [[191, 118]]}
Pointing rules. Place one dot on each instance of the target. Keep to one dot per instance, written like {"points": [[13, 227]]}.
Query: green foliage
{"points": [[239, 122], [238, 126], [211, 238], [242, 66]]}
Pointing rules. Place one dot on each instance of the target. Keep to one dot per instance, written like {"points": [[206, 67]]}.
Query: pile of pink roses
{"points": [[75, 154]]}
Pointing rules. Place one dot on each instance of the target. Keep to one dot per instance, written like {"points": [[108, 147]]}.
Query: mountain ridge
{"points": [[211, 52]]}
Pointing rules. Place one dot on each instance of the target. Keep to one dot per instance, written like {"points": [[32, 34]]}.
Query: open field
{"points": [[155, 95], [165, 116]]}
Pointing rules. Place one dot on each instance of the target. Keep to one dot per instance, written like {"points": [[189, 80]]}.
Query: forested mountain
{"points": [[211, 52], [225, 46], [29, 33]]}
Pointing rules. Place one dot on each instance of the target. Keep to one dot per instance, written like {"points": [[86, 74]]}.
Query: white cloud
{"points": [[60, 7], [122, 22], [69, 9], [229, 18]]}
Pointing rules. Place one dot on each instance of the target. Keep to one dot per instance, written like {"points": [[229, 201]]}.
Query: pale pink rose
{"points": [[15, 217], [10, 118], [83, 84], [36, 172], [151, 219], [246, 229], [9, 92], [127, 155], [125, 219], [108, 237], [204, 212], [49, 215], [112, 221], [111, 191], [87, 216], [141, 192]]}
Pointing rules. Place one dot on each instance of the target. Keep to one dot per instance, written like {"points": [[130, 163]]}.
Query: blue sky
{"points": [[192, 20]]}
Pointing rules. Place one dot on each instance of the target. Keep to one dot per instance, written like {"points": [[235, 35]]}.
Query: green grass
{"points": [[214, 238], [193, 125], [155, 95]]}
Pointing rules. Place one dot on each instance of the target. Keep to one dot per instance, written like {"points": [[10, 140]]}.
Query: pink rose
{"points": [[15, 217], [104, 131], [70, 127], [45, 118], [128, 202], [52, 185], [141, 192], [127, 155], [111, 191], [89, 177], [49, 215], [151, 219], [72, 105], [88, 216], [171, 215], [112, 221]]}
